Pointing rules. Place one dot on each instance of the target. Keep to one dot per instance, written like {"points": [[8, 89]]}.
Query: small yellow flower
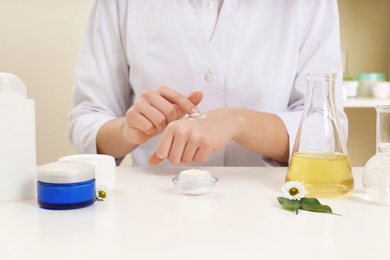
{"points": [[102, 193], [294, 190]]}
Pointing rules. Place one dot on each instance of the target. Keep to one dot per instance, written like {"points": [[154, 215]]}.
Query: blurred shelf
{"points": [[361, 102]]}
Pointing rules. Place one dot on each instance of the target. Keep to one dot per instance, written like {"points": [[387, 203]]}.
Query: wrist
{"points": [[237, 121], [126, 133]]}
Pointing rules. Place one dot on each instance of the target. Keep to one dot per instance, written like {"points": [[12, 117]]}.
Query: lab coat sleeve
{"points": [[102, 90], [319, 53]]}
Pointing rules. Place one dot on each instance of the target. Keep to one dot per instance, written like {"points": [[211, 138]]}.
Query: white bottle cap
{"points": [[12, 88], [105, 167]]}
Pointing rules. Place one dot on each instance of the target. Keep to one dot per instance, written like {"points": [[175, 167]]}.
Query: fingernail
{"points": [[160, 157], [195, 110]]}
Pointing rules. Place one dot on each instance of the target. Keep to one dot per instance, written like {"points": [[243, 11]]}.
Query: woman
{"points": [[145, 65]]}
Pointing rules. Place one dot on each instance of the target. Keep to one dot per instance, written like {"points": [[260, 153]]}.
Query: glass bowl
{"points": [[194, 188]]}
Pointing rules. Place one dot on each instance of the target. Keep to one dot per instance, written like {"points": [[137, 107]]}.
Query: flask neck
{"points": [[320, 89], [383, 148], [320, 129], [383, 128]]}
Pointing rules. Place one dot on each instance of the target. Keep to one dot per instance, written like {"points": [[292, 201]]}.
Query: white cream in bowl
{"points": [[195, 181]]}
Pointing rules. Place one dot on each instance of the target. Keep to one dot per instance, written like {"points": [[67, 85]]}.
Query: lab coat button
{"points": [[209, 76]]}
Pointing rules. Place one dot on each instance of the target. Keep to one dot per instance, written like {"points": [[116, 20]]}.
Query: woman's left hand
{"points": [[186, 141]]}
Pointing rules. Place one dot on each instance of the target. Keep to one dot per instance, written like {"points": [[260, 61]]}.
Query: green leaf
{"points": [[312, 204], [293, 205], [308, 204]]}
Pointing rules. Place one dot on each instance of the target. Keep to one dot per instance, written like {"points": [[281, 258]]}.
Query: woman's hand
{"points": [[186, 141], [155, 109]]}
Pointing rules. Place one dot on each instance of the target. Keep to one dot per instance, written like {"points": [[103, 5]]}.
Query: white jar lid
{"points": [[65, 172]]}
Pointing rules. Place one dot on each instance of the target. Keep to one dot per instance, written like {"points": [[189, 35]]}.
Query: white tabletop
{"points": [[240, 218]]}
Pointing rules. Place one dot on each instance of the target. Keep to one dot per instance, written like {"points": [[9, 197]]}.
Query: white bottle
{"points": [[17, 140]]}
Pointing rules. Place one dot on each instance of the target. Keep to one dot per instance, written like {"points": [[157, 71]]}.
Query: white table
{"points": [[240, 218]]}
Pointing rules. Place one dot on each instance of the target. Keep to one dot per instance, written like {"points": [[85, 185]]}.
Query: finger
{"points": [[168, 110], [140, 123], [182, 102], [201, 155], [154, 159], [146, 118], [165, 144], [177, 148], [195, 98], [189, 153]]}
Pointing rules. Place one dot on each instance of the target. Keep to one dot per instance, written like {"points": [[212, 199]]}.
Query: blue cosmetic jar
{"points": [[66, 185]]}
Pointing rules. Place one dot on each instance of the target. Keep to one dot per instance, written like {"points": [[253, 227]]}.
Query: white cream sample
{"points": [[194, 176], [195, 116]]}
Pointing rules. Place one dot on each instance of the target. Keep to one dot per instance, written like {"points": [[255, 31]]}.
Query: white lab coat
{"points": [[257, 58]]}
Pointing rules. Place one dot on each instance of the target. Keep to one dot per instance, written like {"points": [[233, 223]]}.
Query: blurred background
{"points": [[40, 40]]}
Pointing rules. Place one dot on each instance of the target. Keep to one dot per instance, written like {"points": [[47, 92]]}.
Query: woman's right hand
{"points": [[155, 109]]}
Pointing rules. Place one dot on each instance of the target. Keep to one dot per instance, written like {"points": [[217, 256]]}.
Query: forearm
{"points": [[111, 139], [263, 133]]}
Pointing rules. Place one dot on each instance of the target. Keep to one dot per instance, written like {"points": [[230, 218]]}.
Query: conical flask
{"points": [[376, 172], [319, 158]]}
